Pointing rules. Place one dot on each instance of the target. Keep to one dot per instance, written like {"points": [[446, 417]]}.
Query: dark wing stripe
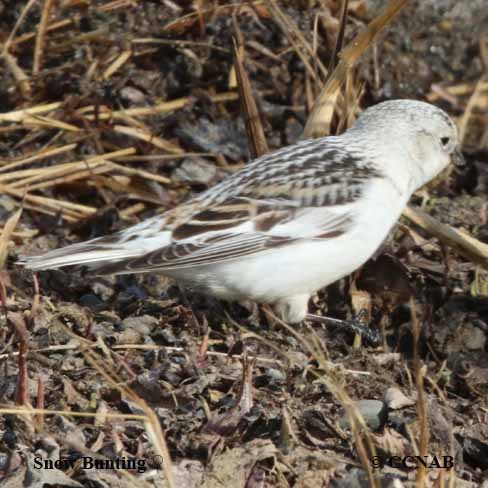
{"points": [[161, 260], [224, 211], [157, 261], [189, 230], [228, 214], [331, 234], [266, 221], [231, 213]]}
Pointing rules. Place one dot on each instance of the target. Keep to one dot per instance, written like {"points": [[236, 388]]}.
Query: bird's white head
{"points": [[425, 132]]}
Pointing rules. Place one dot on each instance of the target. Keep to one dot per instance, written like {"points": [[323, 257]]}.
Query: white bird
{"points": [[292, 221]]}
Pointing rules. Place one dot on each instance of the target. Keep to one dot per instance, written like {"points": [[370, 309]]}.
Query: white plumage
{"points": [[290, 222]]}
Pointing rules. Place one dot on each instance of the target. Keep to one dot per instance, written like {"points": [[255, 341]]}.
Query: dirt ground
{"points": [[133, 108]]}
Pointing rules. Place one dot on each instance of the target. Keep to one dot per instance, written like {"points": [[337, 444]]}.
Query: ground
{"points": [[133, 108]]}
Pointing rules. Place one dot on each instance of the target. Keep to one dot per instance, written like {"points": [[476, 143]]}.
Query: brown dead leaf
{"points": [[227, 423], [234, 466], [386, 278], [392, 443]]}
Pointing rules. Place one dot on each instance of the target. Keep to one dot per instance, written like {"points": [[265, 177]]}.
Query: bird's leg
{"points": [[355, 325], [293, 310]]}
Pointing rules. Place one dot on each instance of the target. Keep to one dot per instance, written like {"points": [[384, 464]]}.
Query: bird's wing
{"points": [[276, 200], [236, 228], [306, 191]]}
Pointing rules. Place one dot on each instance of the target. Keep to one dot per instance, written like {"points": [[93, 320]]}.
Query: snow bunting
{"points": [[290, 222]]}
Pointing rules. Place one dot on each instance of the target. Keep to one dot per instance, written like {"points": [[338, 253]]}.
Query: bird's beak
{"points": [[457, 158]]}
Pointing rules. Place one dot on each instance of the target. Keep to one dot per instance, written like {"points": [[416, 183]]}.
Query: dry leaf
{"points": [[6, 234]]}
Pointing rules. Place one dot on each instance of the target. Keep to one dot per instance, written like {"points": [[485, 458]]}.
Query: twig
{"points": [[317, 125], [255, 133], [21, 18], [148, 137], [117, 64], [303, 49], [18, 73], [6, 234], [45, 153], [466, 245], [421, 400], [463, 123], [41, 32]]}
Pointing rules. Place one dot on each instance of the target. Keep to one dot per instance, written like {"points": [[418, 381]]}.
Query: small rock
{"points": [[474, 337], [395, 399], [143, 325], [132, 95], [475, 453], [129, 336], [374, 412], [220, 137], [7, 206], [194, 171], [293, 131], [387, 358], [4, 461], [90, 300], [130, 295], [275, 374], [102, 290]]}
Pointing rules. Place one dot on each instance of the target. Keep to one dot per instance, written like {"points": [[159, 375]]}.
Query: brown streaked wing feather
{"points": [[265, 196], [219, 248], [223, 216], [233, 212], [179, 255], [265, 221], [315, 174]]}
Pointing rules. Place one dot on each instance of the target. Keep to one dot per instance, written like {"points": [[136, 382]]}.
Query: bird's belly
{"points": [[295, 270], [302, 268]]}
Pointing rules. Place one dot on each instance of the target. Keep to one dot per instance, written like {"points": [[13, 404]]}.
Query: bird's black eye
{"points": [[445, 141]]}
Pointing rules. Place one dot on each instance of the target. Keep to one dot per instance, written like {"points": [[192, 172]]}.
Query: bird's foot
{"points": [[355, 325]]}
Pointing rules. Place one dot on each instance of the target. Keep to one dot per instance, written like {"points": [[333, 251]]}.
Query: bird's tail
{"points": [[86, 253], [129, 243]]}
